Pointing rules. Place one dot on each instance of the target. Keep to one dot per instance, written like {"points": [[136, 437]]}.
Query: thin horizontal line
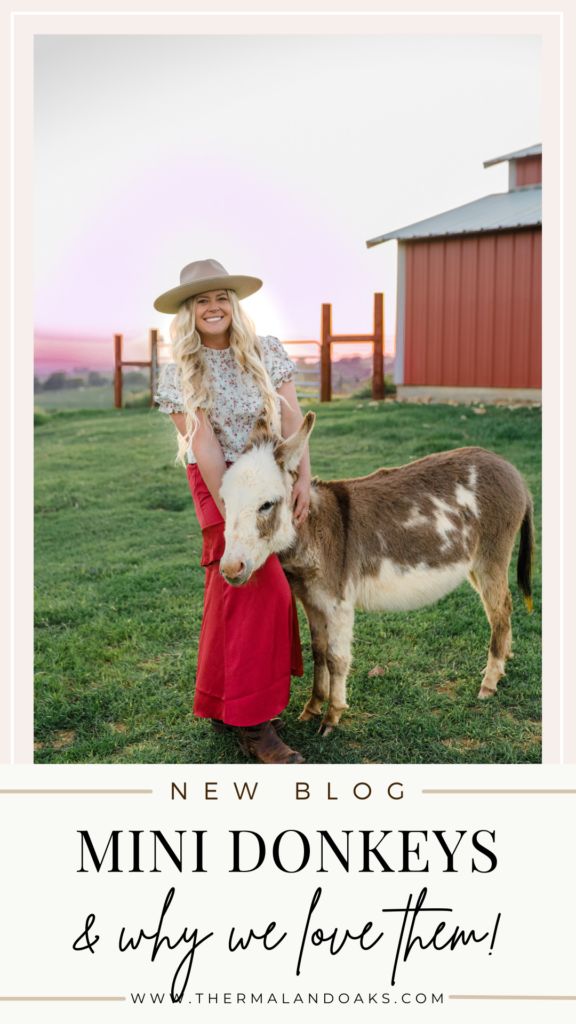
{"points": [[556, 998], [505, 791], [282, 14], [62, 999], [82, 791]]}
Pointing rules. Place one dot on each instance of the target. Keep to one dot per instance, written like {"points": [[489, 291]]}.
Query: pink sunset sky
{"points": [[277, 155]]}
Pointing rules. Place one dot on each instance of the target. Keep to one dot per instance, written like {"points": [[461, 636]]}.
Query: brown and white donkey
{"points": [[395, 540]]}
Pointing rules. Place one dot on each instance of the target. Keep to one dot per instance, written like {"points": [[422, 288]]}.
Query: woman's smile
{"points": [[213, 314]]}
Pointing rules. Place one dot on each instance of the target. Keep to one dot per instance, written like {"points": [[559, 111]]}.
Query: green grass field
{"points": [[119, 602]]}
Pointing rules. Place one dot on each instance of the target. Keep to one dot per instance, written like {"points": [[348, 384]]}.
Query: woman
{"points": [[222, 380]]}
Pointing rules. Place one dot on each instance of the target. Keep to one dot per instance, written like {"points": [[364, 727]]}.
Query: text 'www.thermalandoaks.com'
{"points": [[208, 999]]}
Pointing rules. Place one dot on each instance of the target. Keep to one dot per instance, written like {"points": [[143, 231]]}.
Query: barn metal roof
{"points": [[521, 208], [530, 151]]}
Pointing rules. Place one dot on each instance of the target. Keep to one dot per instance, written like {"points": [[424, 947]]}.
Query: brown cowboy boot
{"points": [[264, 744], [219, 726]]}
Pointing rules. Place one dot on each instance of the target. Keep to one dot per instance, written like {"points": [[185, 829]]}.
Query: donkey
{"points": [[395, 540]]}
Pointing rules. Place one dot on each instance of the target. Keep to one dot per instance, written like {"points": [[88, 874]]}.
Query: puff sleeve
{"points": [[168, 395], [279, 366]]}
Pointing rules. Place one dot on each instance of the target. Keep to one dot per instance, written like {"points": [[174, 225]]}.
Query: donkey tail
{"points": [[526, 557]]}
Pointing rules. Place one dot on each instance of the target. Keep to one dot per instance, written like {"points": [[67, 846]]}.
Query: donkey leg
{"points": [[497, 601], [321, 685], [475, 584], [339, 657]]}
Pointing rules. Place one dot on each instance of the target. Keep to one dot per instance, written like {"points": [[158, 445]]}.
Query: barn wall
{"points": [[473, 311], [528, 171]]}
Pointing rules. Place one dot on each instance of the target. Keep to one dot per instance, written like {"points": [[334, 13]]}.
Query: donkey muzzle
{"points": [[236, 573]]}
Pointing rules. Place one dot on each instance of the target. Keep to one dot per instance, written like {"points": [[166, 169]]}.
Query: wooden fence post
{"points": [[378, 348], [150, 364], [118, 371], [326, 354]]}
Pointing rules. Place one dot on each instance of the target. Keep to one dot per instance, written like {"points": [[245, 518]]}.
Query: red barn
{"points": [[469, 293]]}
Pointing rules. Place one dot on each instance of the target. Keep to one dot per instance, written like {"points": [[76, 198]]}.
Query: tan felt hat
{"points": [[204, 276]]}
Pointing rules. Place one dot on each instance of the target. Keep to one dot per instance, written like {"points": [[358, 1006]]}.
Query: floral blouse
{"points": [[237, 401]]}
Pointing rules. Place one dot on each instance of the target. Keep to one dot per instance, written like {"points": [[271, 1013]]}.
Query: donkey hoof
{"points": [[325, 729], [485, 692], [307, 714]]}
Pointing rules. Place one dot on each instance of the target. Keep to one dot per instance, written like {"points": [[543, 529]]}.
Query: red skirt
{"points": [[249, 640]]}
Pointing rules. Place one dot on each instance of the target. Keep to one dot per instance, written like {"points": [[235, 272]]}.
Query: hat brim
{"points": [[170, 302]]}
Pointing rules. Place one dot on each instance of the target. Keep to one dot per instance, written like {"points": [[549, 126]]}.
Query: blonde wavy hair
{"points": [[188, 354]]}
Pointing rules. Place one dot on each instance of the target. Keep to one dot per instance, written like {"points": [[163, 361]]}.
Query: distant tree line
{"points": [[92, 379]]}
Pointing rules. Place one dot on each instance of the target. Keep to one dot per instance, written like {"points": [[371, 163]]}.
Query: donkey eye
{"points": [[266, 506]]}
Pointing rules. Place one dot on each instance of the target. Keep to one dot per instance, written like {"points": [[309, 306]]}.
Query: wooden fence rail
{"points": [[377, 339], [120, 363], [327, 339]]}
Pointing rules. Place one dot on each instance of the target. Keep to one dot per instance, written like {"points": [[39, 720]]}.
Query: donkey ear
{"points": [[289, 452], [262, 433]]}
